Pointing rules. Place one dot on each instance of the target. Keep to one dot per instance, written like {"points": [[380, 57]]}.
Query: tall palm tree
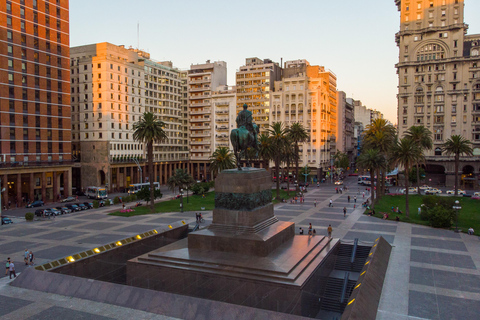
{"points": [[457, 145], [278, 140], [289, 156], [148, 130], [181, 179], [221, 159], [422, 136], [297, 134], [371, 159], [265, 149], [381, 135], [406, 153]]}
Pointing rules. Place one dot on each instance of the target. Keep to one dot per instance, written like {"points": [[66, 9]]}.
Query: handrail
{"points": [[354, 250], [344, 287]]}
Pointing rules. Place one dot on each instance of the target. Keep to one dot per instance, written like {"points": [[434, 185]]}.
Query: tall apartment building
{"points": [[224, 101], [345, 124], [439, 80], [164, 98], [35, 160], [308, 95], [255, 82], [202, 80]]}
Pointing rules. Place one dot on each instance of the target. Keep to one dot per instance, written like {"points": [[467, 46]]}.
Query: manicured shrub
{"points": [[29, 216]]}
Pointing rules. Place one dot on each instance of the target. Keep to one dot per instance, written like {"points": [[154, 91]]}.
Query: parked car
{"points": [[433, 191], [42, 212], [6, 220], [410, 190], [89, 205], [37, 203], [81, 206], [55, 211], [64, 210], [460, 192], [424, 187], [73, 207], [477, 194], [68, 199]]}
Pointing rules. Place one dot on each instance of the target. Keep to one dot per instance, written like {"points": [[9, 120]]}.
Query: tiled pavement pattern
{"points": [[432, 274]]}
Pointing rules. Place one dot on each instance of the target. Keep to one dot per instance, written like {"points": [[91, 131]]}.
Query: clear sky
{"points": [[354, 39]]}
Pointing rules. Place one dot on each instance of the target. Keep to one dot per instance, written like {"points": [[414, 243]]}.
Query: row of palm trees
{"points": [[382, 150]]}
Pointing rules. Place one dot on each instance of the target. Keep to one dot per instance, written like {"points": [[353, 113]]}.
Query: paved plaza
{"points": [[432, 273]]}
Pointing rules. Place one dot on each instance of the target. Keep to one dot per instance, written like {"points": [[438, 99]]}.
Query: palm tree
{"points": [[181, 179], [457, 145], [371, 159], [297, 133], [422, 136], [278, 140], [289, 155], [265, 148], [148, 130], [381, 135], [406, 153], [221, 159]]}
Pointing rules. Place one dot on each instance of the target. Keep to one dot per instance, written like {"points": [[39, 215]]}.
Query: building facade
{"points": [[308, 95], [203, 79], [224, 100], [439, 81], [345, 124], [35, 134], [255, 82]]}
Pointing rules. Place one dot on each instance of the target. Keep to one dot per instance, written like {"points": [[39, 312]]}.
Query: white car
{"points": [[424, 187], [410, 190], [339, 182], [433, 191], [477, 194], [460, 192]]}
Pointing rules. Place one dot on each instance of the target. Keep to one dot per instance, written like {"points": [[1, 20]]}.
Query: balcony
{"points": [[125, 159], [198, 89], [199, 96], [200, 104], [221, 120], [199, 81], [204, 111], [221, 111], [200, 127], [200, 150], [200, 120], [221, 145], [28, 164], [200, 142], [199, 135], [222, 128]]}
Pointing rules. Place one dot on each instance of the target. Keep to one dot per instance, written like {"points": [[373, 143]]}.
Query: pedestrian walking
{"points": [[7, 265], [348, 199], [310, 229], [363, 194], [355, 199], [315, 203], [331, 203], [329, 229], [25, 258], [344, 212], [31, 258], [11, 269]]}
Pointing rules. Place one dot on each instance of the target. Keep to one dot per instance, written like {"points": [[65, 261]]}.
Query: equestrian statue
{"points": [[245, 136]]}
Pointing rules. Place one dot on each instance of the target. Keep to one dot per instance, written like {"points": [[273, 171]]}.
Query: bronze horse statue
{"points": [[242, 140]]}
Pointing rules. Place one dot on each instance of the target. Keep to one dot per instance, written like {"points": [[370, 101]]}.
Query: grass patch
{"points": [[195, 203], [468, 216]]}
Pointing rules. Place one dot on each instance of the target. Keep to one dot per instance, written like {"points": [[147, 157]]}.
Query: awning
{"points": [[393, 173]]}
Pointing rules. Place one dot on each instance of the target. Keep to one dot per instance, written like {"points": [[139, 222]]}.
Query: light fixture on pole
{"points": [[456, 207], [181, 200]]}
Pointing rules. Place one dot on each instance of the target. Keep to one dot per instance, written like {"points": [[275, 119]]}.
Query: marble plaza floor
{"points": [[432, 274]]}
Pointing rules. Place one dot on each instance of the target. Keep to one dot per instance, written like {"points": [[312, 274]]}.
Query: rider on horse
{"points": [[245, 119]]}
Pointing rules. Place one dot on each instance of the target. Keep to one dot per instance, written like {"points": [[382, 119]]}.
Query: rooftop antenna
{"points": [[138, 35]]}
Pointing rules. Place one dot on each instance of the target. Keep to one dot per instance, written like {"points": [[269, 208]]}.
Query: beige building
{"points": [[345, 124], [224, 100], [203, 79], [112, 87], [255, 82], [439, 81], [308, 95]]}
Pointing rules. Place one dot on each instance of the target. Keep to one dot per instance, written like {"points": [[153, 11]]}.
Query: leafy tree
{"points": [[457, 145], [406, 153], [371, 159], [278, 140], [181, 179], [422, 136], [148, 130], [381, 135], [289, 156], [222, 159], [341, 160], [144, 194], [297, 134]]}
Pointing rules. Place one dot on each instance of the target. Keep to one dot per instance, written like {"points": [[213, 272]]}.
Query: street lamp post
{"points": [[306, 175], [187, 193], [456, 207], [181, 200]]}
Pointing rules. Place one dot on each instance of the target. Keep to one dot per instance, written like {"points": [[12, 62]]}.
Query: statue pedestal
{"points": [[245, 257]]}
